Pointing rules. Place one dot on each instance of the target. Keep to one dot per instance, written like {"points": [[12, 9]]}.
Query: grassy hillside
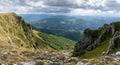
{"points": [[15, 31], [19, 43], [55, 42], [70, 34]]}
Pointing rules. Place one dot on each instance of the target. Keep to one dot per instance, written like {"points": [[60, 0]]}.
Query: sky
{"points": [[63, 7]]}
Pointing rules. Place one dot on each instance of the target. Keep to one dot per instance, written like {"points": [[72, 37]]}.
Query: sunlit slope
{"points": [[15, 31]]}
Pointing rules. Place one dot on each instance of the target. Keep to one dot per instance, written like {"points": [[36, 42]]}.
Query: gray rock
{"points": [[84, 42], [112, 42], [111, 46], [118, 53], [28, 63], [112, 29], [82, 63]]}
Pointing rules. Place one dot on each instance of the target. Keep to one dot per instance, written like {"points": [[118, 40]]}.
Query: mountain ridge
{"points": [[104, 39], [17, 30]]}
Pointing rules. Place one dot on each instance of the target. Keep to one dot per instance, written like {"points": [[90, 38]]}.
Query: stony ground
{"points": [[44, 57], [38, 57]]}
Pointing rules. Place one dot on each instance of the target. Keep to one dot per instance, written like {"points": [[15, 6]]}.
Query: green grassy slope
{"points": [[15, 31], [54, 42]]}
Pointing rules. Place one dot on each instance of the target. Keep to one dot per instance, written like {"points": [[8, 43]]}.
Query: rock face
{"points": [[94, 38]]}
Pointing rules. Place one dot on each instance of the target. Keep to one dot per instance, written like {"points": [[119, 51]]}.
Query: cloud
{"points": [[78, 7], [39, 3], [59, 3], [92, 12]]}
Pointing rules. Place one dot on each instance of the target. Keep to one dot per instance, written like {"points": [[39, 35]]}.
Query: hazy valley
{"points": [[70, 27]]}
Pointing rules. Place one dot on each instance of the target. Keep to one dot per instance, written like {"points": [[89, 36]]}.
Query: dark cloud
{"points": [[59, 3], [85, 4], [112, 5]]}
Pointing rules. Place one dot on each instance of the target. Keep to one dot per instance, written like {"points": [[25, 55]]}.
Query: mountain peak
{"points": [[8, 13]]}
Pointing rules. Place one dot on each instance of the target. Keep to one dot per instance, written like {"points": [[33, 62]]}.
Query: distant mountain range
{"points": [[67, 26]]}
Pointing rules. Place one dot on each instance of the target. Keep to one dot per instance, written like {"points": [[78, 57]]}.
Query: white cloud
{"points": [[84, 12], [1, 7], [24, 9], [96, 3], [93, 12], [118, 1], [35, 4]]}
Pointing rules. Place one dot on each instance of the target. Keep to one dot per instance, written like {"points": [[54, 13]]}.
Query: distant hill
{"points": [[70, 27], [60, 27]]}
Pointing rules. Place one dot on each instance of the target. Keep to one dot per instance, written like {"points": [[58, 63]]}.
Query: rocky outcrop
{"points": [[84, 42], [114, 41], [94, 38]]}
